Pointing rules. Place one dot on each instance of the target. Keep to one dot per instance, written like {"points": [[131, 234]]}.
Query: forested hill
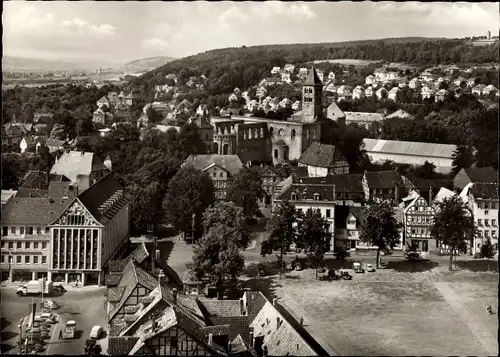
{"points": [[245, 66]]}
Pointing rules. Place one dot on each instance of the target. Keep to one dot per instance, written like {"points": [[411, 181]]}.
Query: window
{"points": [[275, 153], [316, 196], [3, 258], [328, 212], [35, 259], [425, 246], [479, 222], [486, 205], [35, 245], [44, 259], [486, 213], [19, 259], [215, 174], [19, 245], [493, 205], [493, 234], [5, 231], [294, 197], [479, 205], [486, 234], [13, 230], [27, 245], [11, 245], [221, 174], [27, 259], [486, 222], [47, 230], [494, 222], [21, 230], [479, 233], [44, 245], [38, 230], [29, 230], [293, 133]]}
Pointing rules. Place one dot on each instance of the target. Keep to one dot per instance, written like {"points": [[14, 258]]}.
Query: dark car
{"points": [[357, 268], [345, 275], [59, 288], [331, 275], [262, 271]]}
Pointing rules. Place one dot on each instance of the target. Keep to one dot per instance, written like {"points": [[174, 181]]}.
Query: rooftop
{"points": [[321, 155], [312, 79], [36, 211], [409, 148], [482, 174], [364, 117], [231, 163], [383, 179], [75, 163]]}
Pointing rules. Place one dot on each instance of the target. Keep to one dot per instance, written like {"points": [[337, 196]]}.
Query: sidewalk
{"points": [[68, 287]]}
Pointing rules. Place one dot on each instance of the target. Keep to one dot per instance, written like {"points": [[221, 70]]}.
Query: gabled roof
{"points": [[363, 117], [231, 163], [321, 155], [39, 211], [121, 345], [482, 174], [74, 163], [312, 79], [383, 179], [351, 183]]}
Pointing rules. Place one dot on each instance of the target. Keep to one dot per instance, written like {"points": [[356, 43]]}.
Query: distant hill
{"points": [[146, 64], [15, 63]]}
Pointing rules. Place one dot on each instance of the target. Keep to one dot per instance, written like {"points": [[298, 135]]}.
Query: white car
{"points": [[369, 268], [96, 332]]}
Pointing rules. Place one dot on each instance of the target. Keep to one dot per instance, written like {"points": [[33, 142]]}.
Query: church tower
{"points": [[312, 97]]}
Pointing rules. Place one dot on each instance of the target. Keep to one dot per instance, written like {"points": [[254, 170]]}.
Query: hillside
{"points": [[147, 64], [245, 66], [15, 63]]}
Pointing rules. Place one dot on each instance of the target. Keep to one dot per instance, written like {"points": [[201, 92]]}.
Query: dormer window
{"points": [[316, 196]]}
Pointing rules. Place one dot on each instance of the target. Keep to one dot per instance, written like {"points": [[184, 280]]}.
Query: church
{"points": [[260, 140]]}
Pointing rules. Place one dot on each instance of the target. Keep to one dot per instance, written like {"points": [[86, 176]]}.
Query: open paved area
{"points": [[83, 305]]}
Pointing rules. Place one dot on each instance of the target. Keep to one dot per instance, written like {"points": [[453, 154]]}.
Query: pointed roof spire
{"points": [[312, 78]]}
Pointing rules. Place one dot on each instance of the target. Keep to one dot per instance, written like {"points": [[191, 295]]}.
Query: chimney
{"points": [[210, 339], [430, 196], [251, 339], [174, 293], [275, 302]]}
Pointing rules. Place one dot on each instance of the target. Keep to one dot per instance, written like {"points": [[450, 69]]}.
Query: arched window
{"points": [[225, 149], [316, 196], [216, 148], [275, 153], [293, 133]]}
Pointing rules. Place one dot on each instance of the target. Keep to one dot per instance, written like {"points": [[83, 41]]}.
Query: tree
{"points": [[453, 225], [153, 116], [281, 232], [463, 158], [427, 170], [246, 190], [58, 132], [380, 228], [189, 192], [487, 251], [313, 236]]}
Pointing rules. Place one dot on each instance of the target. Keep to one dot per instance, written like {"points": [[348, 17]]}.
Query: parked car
{"points": [[50, 305], [357, 268], [345, 275], [96, 332], [369, 268], [59, 288]]}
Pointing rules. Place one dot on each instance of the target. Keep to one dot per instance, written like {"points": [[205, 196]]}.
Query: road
{"points": [[85, 306]]}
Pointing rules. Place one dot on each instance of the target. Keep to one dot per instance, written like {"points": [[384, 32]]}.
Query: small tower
{"points": [[312, 97]]}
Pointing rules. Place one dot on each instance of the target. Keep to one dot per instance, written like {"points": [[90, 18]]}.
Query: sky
{"points": [[118, 32]]}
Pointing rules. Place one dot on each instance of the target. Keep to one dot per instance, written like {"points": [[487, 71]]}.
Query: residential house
{"points": [[303, 72], [35, 232], [490, 89], [478, 90], [275, 70], [330, 87], [418, 219], [252, 105], [426, 93], [369, 92], [271, 176], [392, 75], [411, 153], [322, 160], [414, 83], [369, 80], [348, 220], [441, 95], [221, 168], [402, 82], [358, 92], [285, 77], [6, 196], [474, 175], [261, 92], [344, 92], [14, 132], [381, 93], [331, 76], [383, 186], [130, 100], [471, 82], [318, 197], [296, 105], [26, 142], [427, 77], [82, 168], [285, 103], [400, 113], [233, 97], [103, 116], [289, 68], [482, 198], [321, 75], [362, 119], [267, 82], [103, 101], [394, 94], [460, 81]]}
